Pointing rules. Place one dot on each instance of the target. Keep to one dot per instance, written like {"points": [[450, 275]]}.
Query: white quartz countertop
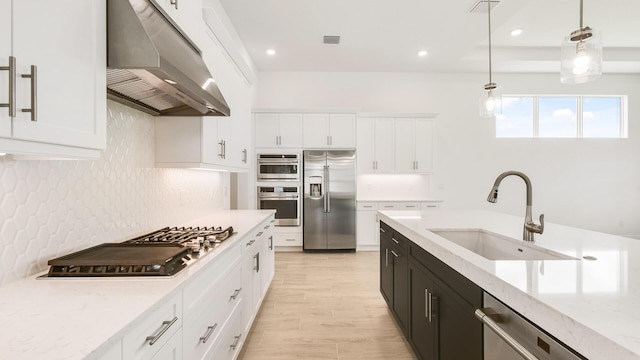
{"points": [[80, 318], [592, 306]]}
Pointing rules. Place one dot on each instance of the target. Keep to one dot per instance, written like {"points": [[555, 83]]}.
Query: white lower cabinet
{"points": [[148, 337], [367, 234], [208, 302], [230, 342], [209, 317]]}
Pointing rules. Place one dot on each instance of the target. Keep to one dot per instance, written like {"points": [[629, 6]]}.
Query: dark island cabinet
{"points": [[435, 302], [394, 280]]}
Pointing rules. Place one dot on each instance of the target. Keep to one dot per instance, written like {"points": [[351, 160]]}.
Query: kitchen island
{"points": [[590, 305], [73, 318]]}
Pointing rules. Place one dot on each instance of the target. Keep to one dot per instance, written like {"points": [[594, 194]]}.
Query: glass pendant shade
{"points": [[581, 57], [490, 100]]}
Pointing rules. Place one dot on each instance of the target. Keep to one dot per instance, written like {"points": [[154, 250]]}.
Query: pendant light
{"points": [[491, 96], [581, 55]]}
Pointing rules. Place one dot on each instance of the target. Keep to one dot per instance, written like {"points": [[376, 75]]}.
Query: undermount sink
{"points": [[498, 247]]}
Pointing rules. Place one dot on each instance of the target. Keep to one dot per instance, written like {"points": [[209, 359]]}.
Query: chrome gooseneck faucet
{"points": [[529, 226]]}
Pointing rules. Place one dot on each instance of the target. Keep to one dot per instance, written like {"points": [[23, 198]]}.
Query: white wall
{"points": [[588, 183], [52, 208]]}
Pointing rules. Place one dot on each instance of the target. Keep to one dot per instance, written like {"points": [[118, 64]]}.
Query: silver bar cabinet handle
{"points": [[210, 330], [426, 304], [34, 92], [165, 326], [175, 3], [386, 257], [271, 242], [381, 229], [395, 254], [395, 241], [257, 267], [429, 304], [236, 292], [244, 156], [11, 102], [515, 345], [236, 341]]}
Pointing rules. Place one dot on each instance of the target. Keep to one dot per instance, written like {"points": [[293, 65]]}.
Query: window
{"points": [[534, 116]]}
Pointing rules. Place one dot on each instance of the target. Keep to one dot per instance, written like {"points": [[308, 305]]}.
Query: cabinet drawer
{"points": [[231, 338], [367, 206], [387, 206], [204, 323], [409, 206], [287, 239], [464, 287], [154, 330], [208, 278], [429, 206]]}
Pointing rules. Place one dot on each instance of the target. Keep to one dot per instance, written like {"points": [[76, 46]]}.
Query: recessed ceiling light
{"points": [[271, 52], [516, 32], [422, 53]]}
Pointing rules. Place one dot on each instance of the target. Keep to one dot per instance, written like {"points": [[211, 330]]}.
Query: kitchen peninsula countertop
{"points": [[592, 306], [74, 318]]}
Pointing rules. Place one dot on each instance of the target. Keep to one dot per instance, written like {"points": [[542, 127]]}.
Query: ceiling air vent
{"points": [[480, 7], [331, 39]]}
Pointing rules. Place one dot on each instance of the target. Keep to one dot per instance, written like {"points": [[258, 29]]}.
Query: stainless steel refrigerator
{"points": [[329, 214]]}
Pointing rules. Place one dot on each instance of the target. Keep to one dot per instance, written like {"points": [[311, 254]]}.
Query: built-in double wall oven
{"points": [[278, 177]]}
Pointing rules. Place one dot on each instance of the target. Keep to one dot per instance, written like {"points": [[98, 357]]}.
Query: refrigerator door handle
{"points": [[327, 193]]}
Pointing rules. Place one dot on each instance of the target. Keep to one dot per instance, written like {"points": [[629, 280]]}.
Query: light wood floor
{"points": [[325, 306]]}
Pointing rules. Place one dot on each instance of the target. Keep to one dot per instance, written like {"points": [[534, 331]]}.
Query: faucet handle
{"points": [[541, 223]]}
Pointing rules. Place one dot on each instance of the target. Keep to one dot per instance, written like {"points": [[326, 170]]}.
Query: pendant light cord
{"points": [[581, 15], [489, 16]]}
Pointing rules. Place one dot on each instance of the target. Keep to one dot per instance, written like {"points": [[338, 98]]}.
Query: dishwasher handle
{"points": [[491, 324]]}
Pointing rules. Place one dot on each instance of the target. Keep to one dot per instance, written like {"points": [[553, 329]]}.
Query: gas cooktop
{"points": [[161, 253]]}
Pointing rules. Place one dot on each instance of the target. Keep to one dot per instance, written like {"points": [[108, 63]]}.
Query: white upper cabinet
{"points": [[278, 130], [329, 131], [60, 81], [209, 142], [413, 145], [395, 145], [183, 13], [375, 150], [199, 142]]}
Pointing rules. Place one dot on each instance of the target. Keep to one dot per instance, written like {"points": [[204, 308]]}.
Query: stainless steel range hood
{"points": [[152, 66]]}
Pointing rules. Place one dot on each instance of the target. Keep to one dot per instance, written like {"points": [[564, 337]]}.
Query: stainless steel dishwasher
{"points": [[509, 336]]}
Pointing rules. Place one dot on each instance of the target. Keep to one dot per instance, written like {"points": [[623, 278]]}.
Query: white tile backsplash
{"points": [[51, 208]]}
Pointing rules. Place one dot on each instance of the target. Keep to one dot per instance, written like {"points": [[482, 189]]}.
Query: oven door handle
{"points": [[493, 325], [279, 197]]}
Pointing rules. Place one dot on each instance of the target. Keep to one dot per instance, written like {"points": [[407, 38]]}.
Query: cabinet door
{"points": [[211, 147], [423, 140], [342, 128], [367, 228], [266, 126], [70, 56], [315, 130], [401, 287], [456, 321], [290, 130], [404, 146], [365, 151], [423, 326], [5, 52], [386, 269], [384, 150]]}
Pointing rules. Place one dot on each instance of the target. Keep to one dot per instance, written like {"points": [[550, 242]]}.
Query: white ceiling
{"points": [[385, 35]]}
